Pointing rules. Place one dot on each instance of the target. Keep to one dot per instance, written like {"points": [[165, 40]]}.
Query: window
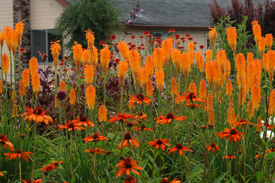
{"points": [[160, 34], [41, 42]]}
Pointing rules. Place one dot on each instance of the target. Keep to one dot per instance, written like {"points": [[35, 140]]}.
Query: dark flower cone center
{"points": [[233, 132], [130, 124], [170, 115], [95, 136], [142, 127], [165, 181], [2, 136], [71, 125], [242, 120], [159, 142], [140, 96], [213, 145], [127, 136], [128, 165], [18, 151], [83, 119], [129, 179], [191, 95], [38, 110], [179, 146]]}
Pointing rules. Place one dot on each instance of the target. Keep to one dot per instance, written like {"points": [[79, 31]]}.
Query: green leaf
{"points": [[260, 177], [220, 178]]}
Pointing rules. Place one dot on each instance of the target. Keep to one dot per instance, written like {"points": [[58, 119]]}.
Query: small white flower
{"points": [[269, 134]]}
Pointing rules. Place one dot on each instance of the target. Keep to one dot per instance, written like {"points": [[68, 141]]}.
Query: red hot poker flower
{"points": [[169, 118], [127, 166]]}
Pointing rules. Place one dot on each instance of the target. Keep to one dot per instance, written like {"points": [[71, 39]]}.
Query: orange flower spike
{"points": [[6, 143], [56, 102], [193, 88], [128, 140], [213, 36], [259, 126], [134, 61], [256, 96], [211, 117], [229, 88], [8, 35], [123, 49], [231, 116], [200, 64], [77, 54], [210, 73], [71, 126], [185, 64], [140, 98], [2, 39], [126, 166], [258, 68], [167, 46], [169, 118], [158, 58], [160, 79], [218, 79], [159, 143], [122, 71], [22, 90], [5, 63], [55, 49], [212, 147], [180, 148], [203, 89], [150, 65], [72, 96], [262, 45], [15, 41], [1, 87], [149, 89], [231, 134], [18, 154], [102, 113], [143, 77], [250, 57], [86, 57], [240, 65], [197, 56], [272, 103], [269, 40], [209, 102], [257, 31], [95, 57], [105, 55], [90, 96], [95, 137], [174, 88], [208, 55], [250, 109], [89, 72], [227, 70], [90, 37], [222, 59], [19, 28], [176, 57], [232, 37], [191, 46], [62, 85], [38, 115], [26, 77], [35, 82], [33, 65], [251, 69]]}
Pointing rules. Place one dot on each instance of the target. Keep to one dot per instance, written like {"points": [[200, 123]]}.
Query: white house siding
{"points": [[44, 13]]}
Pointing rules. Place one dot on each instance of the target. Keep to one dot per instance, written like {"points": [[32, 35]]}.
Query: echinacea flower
{"points": [[242, 123], [83, 120], [141, 116], [71, 126], [159, 143], [166, 180], [193, 106], [231, 134], [212, 147], [38, 115], [57, 163], [1, 174], [18, 154], [130, 179], [113, 37], [127, 166], [48, 168], [142, 128], [6, 143], [33, 181], [190, 97], [169, 118], [127, 139], [138, 99], [180, 148], [95, 137], [120, 117], [229, 157], [95, 151]]}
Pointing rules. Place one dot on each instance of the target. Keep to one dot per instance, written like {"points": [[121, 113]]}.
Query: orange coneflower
{"points": [[231, 134], [180, 148], [257, 31], [138, 99], [122, 71], [268, 126], [35, 82], [159, 143], [190, 97], [95, 137], [123, 49], [134, 59], [158, 58], [165, 180], [120, 117], [213, 36], [269, 40], [77, 54], [169, 118], [102, 113], [71, 126], [242, 123], [6, 143], [72, 96], [142, 128], [18, 154], [159, 79], [33, 65], [127, 166], [141, 116], [208, 54], [229, 157], [90, 37], [86, 57], [232, 37], [95, 151], [130, 179], [83, 120], [5, 63], [127, 139], [105, 55], [55, 49], [150, 65], [62, 85], [22, 90], [57, 163], [38, 115], [26, 77], [90, 96], [89, 74], [212, 147], [48, 168], [33, 181]]}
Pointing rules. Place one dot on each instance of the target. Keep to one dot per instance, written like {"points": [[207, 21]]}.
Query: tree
{"points": [[98, 15]]}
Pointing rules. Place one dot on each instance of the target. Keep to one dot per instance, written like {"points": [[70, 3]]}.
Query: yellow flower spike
{"points": [[14, 96], [14, 110]]}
